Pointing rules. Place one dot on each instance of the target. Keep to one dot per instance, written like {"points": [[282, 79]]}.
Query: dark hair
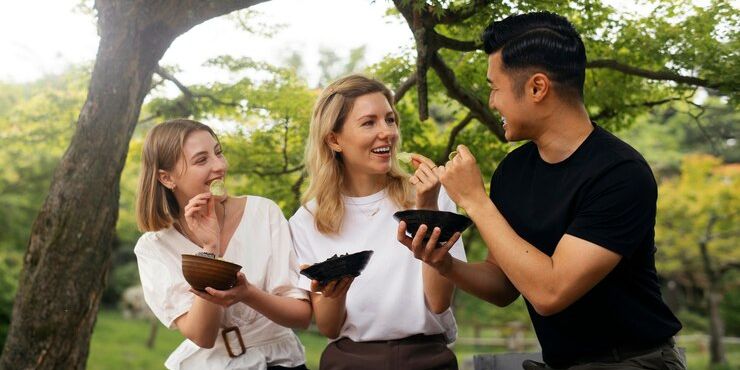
{"points": [[539, 40]]}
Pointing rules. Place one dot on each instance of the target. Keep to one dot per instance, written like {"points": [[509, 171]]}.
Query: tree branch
{"points": [[465, 97], [453, 135], [296, 187], [653, 75], [704, 250], [403, 88], [423, 47], [286, 131], [189, 94], [727, 267], [442, 41], [281, 172], [611, 112], [697, 119], [461, 13], [194, 12]]}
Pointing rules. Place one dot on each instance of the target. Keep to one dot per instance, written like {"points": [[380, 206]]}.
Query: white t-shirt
{"points": [[387, 300], [262, 245]]}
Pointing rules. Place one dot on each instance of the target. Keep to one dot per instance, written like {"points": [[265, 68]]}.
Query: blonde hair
{"points": [[325, 168], [156, 206]]}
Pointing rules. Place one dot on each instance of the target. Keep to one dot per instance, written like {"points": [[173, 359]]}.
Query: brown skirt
{"points": [[417, 352]]}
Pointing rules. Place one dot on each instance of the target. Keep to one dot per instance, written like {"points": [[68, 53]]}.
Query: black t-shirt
{"points": [[604, 193]]}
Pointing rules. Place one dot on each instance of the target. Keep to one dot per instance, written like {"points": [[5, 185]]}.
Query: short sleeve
{"points": [[165, 290], [617, 210], [282, 274], [445, 203], [304, 253]]}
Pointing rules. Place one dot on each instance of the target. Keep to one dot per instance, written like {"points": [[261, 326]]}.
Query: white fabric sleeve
{"points": [[300, 225], [282, 273], [445, 203], [165, 290]]}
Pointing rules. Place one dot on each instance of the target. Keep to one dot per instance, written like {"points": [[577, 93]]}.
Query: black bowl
{"points": [[448, 222], [337, 267]]}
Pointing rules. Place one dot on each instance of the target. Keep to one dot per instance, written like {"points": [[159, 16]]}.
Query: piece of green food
{"points": [[218, 188], [452, 154], [404, 157]]}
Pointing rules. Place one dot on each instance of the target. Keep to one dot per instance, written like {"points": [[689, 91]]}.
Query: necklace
{"points": [[369, 212]]}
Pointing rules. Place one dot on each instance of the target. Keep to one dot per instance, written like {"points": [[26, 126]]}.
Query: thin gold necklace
{"points": [[370, 212]]}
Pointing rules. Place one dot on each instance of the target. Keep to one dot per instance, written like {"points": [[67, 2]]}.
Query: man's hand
{"points": [[461, 178]]}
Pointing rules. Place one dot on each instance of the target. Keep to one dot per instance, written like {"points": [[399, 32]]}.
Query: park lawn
{"points": [[120, 344]]}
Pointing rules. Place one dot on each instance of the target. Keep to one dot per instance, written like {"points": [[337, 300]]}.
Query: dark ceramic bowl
{"points": [[201, 272], [448, 222], [337, 267]]}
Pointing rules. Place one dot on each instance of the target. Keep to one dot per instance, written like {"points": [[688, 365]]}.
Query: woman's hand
{"points": [[334, 289], [226, 298], [431, 253], [200, 215], [426, 181]]}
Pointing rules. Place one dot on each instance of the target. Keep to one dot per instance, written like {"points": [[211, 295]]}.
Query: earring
{"points": [[338, 150]]}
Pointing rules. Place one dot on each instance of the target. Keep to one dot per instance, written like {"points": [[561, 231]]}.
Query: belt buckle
{"points": [[226, 340]]}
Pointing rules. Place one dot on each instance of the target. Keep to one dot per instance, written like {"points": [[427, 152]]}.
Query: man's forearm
{"points": [[526, 267], [483, 280]]}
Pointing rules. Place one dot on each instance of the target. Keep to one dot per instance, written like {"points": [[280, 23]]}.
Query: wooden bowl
{"points": [[448, 222], [201, 272]]}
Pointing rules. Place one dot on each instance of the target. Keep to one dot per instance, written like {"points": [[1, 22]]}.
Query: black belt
{"points": [[621, 353]]}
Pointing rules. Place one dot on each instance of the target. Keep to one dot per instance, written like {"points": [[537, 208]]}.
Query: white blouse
{"points": [[387, 300], [262, 245]]}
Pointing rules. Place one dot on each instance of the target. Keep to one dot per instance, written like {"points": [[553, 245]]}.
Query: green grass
{"points": [[120, 344]]}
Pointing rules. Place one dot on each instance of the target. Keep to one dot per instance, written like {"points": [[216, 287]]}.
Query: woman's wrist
{"points": [[250, 294], [427, 205], [211, 247]]}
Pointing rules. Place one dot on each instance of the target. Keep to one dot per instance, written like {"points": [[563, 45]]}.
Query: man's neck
{"points": [[563, 132]]}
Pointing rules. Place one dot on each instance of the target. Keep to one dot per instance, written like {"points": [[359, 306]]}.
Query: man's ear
{"points": [[538, 86], [165, 179], [331, 141]]}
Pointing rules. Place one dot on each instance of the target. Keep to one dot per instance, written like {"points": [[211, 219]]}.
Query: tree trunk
{"points": [[716, 330], [714, 297], [153, 326], [66, 264]]}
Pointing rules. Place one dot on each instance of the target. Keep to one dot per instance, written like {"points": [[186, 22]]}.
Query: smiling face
{"points": [[513, 106], [367, 137], [202, 162]]}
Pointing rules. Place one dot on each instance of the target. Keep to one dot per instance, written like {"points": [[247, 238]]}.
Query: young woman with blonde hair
{"points": [[245, 327], [396, 313]]}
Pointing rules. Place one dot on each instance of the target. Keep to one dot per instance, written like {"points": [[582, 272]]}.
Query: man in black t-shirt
{"points": [[569, 222]]}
